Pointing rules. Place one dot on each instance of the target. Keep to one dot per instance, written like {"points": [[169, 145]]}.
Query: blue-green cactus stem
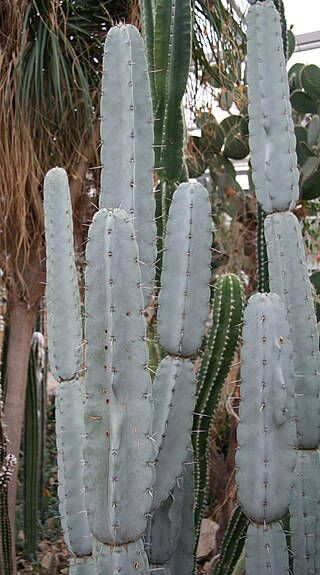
{"points": [[129, 559], [222, 341], [289, 278], [81, 566], [119, 449], [127, 140], [70, 437], [272, 140], [171, 536], [62, 292], [164, 528], [185, 293], [305, 513], [174, 397], [183, 560], [266, 550], [266, 433]]}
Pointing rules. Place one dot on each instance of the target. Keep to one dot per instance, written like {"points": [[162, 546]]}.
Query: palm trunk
{"points": [[22, 315], [22, 320]]}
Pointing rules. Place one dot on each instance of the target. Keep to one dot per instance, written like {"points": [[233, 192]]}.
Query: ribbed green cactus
{"points": [[221, 345], [278, 434]]}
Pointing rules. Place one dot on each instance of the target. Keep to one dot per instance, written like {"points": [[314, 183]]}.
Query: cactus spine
{"points": [[275, 176]]}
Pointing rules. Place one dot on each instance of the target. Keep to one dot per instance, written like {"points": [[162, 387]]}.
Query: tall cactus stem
{"points": [[174, 396], [64, 316], [186, 271], [70, 407], [127, 155], [272, 140], [266, 550], [305, 513], [220, 347], [289, 278], [119, 448], [266, 459]]}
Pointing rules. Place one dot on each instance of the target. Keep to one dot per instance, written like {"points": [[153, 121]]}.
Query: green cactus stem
{"points": [[272, 140], [262, 256], [119, 448], [64, 317], [266, 433], [127, 154], [289, 278], [171, 53], [185, 293], [240, 568], [233, 543], [221, 344]]}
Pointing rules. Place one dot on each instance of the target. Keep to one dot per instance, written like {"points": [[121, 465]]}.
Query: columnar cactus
{"points": [[128, 497], [293, 418], [65, 352]]}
